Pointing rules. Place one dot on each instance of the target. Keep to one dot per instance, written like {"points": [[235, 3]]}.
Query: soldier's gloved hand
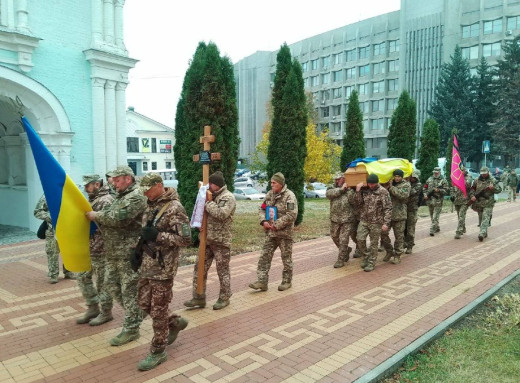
{"points": [[149, 233]]}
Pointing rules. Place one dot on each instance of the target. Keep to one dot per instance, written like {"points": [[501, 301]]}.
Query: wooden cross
{"points": [[205, 158]]}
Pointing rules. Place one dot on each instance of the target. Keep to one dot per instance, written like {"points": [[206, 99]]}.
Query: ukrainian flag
{"points": [[67, 205]]}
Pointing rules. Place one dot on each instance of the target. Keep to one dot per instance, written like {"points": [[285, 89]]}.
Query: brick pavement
{"points": [[333, 325]]}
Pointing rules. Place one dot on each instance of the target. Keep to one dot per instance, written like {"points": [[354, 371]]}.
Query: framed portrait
{"points": [[271, 213]]}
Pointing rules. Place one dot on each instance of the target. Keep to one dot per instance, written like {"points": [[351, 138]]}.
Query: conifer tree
{"points": [[353, 140], [429, 150], [403, 128], [449, 156], [287, 139], [208, 98]]}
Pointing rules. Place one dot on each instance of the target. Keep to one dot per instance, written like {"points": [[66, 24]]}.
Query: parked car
{"points": [[243, 182], [248, 193], [171, 183], [315, 190]]}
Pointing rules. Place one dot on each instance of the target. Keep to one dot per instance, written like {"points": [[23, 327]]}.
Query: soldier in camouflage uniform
{"points": [[342, 218], [435, 188], [278, 232], [41, 211], [99, 198], [460, 201], [483, 199], [510, 182], [376, 214], [165, 229], [399, 191], [121, 224], [218, 242], [412, 207]]}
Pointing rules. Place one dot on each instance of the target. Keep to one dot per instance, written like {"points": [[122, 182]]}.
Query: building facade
{"points": [[65, 67], [379, 57]]}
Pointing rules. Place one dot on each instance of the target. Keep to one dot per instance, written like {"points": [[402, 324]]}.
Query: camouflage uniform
{"points": [[399, 193], [94, 295], [510, 182], [461, 205], [435, 199], [121, 224], [485, 201], [287, 211], [376, 211], [159, 265], [411, 214], [218, 242], [342, 219]]}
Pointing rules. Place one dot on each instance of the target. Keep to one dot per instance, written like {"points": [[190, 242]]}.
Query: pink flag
{"points": [[457, 176]]}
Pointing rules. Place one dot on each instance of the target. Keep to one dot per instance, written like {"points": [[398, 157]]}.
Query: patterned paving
{"points": [[333, 325]]}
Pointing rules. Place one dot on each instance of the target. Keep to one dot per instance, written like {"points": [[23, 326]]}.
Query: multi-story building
{"points": [[379, 57]]}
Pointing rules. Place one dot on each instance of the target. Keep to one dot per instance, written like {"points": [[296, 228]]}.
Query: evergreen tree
{"points": [[287, 139], [403, 127], [208, 98], [353, 140], [449, 156], [428, 152], [453, 104], [507, 127]]}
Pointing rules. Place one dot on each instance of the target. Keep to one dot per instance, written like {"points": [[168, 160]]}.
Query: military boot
{"points": [[174, 331], [152, 360], [339, 263], [408, 250], [53, 280], [258, 285], [437, 229], [388, 255], [70, 275], [124, 337], [357, 254], [92, 312], [364, 262], [396, 260], [103, 317], [284, 286], [432, 232], [457, 235], [369, 267], [220, 304], [196, 303], [481, 237]]}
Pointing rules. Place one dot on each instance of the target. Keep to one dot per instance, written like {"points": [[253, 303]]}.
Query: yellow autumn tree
{"points": [[322, 156]]}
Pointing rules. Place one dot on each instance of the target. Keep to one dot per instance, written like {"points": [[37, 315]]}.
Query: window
{"points": [[325, 78], [325, 61], [513, 23], [154, 145], [168, 164], [379, 67], [365, 125], [364, 106], [314, 80], [393, 85], [314, 64], [470, 53], [393, 46], [363, 88], [392, 103], [348, 91], [473, 72], [364, 70], [378, 87], [132, 144], [378, 124], [470, 30], [336, 128], [325, 112], [350, 55], [351, 73], [145, 166], [336, 93], [325, 95], [306, 82], [336, 110], [364, 52], [378, 106], [494, 26], [393, 66], [379, 49], [491, 49], [336, 59], [154, 165], [337, 76], [305, 66]]}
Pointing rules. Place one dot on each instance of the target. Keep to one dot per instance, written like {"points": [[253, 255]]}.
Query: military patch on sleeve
{"points": [[221, 203], [290, 205]]}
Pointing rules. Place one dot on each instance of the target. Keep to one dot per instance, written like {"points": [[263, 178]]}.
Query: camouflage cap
{"points": [[416, 173], [90, 178], [123, 170], [437, 169], [149, 180], [338, 175], [484, 170], [109, 173]]}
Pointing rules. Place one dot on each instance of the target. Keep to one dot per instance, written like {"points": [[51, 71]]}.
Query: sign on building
{"points": [[165, 146]]}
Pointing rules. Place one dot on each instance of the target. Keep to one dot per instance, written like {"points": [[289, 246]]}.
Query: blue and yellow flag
{"points": [[67, 205], [385, 168]]}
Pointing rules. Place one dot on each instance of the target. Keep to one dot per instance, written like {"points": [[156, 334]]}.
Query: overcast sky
{"points": [[163, 36]]}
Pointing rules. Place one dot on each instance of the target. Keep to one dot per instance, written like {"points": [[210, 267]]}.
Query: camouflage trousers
{"points": [[485, 215], [461, 214], [222, 256], [121, 282], [264, 263], [340, 234], [53, 252], [409, 231], [154, 298], [398, 227], [98, 294], [435, 207], [372, 230], [511, 193]]}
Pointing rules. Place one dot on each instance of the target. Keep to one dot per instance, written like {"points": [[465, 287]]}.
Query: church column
{"points": [[4, 162], [108, 21], [121, 122], [22, 22], [118, 24], [97, 23], [16, 157], [98, 122], [110, 124]]}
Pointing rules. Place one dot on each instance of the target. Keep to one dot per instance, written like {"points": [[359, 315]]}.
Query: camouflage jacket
{"points": [[166, 248], [99, 200], [220, 217], [413, 199], [375, 205], [436, 183], [41, 211], [121, 222], [458, 196], [511, 180], [287, 211], [485, 197], [342, 204], [399, 193]]}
